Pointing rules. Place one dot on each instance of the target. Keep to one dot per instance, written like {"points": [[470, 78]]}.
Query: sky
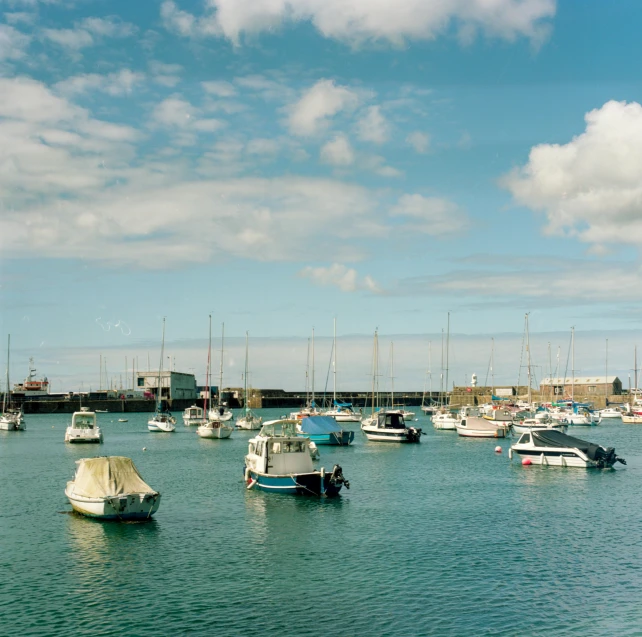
{"points": [[281, 163]]}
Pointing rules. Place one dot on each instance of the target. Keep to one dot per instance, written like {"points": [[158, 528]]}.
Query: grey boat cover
{"points": [[108, 476], [317, 425], [553, 438]]}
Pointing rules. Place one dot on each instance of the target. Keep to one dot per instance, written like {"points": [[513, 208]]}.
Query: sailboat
{"points": [[444, 418], [310, 408], [214, 427], [341, 412], [397, 409], [162, 420], [249, 420], [428, 409], [221, 411], [11, 419], [372, 418]]}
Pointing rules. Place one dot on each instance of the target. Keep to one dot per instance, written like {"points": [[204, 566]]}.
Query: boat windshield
{"points": [[279, 428], [84, 422]]}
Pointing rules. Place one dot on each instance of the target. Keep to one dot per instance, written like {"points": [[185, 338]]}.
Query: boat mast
{"points": [[220, 382], [635, 371], [312, 403], [374, 370], [606, 375], [392, 378], [307, 376], [160, 370], [492, 367], [334, 364], [441, 375], [572, 367], [208, 378], [550, 371], [247, 409], [447, 351], [430, 369], [6, 389], [528, 359]]}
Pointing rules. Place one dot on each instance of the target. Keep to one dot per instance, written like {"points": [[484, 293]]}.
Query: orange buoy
{"points": [[526, 462], [498, 449]]}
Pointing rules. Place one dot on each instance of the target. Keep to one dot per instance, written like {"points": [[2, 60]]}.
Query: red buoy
{"points": [[526, 462], [498, 449]]}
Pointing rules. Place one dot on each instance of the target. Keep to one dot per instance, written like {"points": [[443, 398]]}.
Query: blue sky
{"points": [[281, 163]]}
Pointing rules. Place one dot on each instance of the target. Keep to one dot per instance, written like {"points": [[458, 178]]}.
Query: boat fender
{"points": [[526, 462], [248, 479], [251, 485], [498, 449]]}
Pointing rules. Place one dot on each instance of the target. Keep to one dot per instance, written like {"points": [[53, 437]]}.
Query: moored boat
{"points": [[554, 448], [632, 418], [110, 488], [83, 428], [323, 430], [390, 427], [529, 424], [162, 420], [475, 427], [444, 419], [249, 420], [214, 428], [11, 418], [193, 416], [279, 461]]}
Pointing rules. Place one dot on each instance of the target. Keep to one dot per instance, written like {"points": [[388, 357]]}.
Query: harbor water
{"points": [[445, 537]]}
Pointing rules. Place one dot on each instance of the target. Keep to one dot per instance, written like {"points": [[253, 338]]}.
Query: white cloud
{"points": [[262, 146], [74, 39], [373, 127], [119, 83], [110, 27], [360, 21], [431, 215], [12, 43], [377, 165], [183, 119], [338, 275], [590, 187], [165, 74], [419, 141], [219, 88], [311, 114], [338, 151], [87, 30]]}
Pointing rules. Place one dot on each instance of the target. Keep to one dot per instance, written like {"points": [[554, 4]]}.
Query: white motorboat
{"points": [[110, 488], [475, 427], [554, 448], [632, 418], [581, 418], [11, 418], [496, 413], [610, 413], [444, 419], [83, 428], [390, 427], [162, 420], [280, 461], [215, 429], [528, 424], [429, 410], [193, 416]]}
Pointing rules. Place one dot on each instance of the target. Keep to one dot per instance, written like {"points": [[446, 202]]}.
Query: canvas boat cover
{"points": [[108, 476], [553, 438], [316, 425], [340, 404]]}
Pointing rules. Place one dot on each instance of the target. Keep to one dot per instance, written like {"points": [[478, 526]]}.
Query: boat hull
{"points": [[76, 440], [135, 506], [524, 429], [340, 438], [10, 424], [220, 432], [252, 424], [296, 484], [379, 434], [556, 458], [160, 427]]}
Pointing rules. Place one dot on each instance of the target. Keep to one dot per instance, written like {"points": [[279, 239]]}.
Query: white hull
{"points": [[133, 506], [474, 427], [479, 433], [160, 427], [524, 429], [249, 424], [556, 457], [83, 435], [215, 430], [393, 436], [11, 424], [446, 423], [632, 420], [224, 417], [343, 417]]}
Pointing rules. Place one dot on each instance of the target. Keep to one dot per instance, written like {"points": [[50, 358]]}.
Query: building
{"points": [[582, 386], [173, 385]]}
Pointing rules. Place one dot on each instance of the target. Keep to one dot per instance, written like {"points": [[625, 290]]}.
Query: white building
{"points": [[173, 384]]}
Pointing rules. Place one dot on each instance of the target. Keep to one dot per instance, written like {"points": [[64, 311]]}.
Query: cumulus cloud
{"points": [[13, 43], [338, 151], [165, 74], [338, 275], [419, 141], [219, 88], [373, 126], [311, 114], [430, 215], [361, 21], [119, 83], [183, 119], [590, 187], [87, 31]]}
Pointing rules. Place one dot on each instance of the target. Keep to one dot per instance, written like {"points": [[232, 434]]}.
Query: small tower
{"points": [[473, 380]]}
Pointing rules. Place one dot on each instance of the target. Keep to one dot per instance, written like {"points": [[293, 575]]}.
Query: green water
{"points": [[441, 538]]}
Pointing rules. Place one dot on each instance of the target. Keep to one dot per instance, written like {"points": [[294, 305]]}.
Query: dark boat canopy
{"points": [[316, 425], [390, 420]]}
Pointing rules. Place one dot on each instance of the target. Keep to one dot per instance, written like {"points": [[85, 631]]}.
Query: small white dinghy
{"points": [[110, 488], [83, 428], [475, 427]]}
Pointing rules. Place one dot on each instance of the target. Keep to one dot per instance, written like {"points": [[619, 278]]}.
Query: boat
{"points": [[528, 424], [12, 418], [279, 461], [475, 427], [101, 411], [193, 416], [428, 409], [610, 412], [310, 408], [123, 420], [445, 419], [249, 420], [390, 427], [162, 420], [554, 448], [213, 427], [340, 411], [220, 412], [631, 418], [32, 386], [580, 417], [375, 407], [83, 428], [323, 430], [110, 488]]}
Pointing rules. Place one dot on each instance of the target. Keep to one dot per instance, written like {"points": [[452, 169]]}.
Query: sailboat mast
{"points": [[430, 369], [245, 385], [606, 375], [160, 369], [392, 377], [572, 365], [312, 366], [374, 370], [307, 376], [635, 371], [6, 389], [492, 367], [334, 363], [550, 371], [447, 353], [441, 374], [208, 378], [220, 381], [528, 358]]}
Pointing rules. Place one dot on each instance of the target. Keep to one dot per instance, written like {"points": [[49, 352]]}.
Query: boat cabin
{"points": [[83, 419], [278, 450], [387, 420], [194, 412]]}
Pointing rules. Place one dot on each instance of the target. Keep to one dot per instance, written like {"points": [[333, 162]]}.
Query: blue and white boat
{"points": [[278, 460], [323, 430]]}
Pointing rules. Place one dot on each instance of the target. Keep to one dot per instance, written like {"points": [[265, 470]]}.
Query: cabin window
{"points": [[259, 448], [526, 438], [276, 447], [252, 448]]}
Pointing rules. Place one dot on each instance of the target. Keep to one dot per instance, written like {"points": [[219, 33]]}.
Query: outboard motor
{"points": [[337, 477], [413, 434]]}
